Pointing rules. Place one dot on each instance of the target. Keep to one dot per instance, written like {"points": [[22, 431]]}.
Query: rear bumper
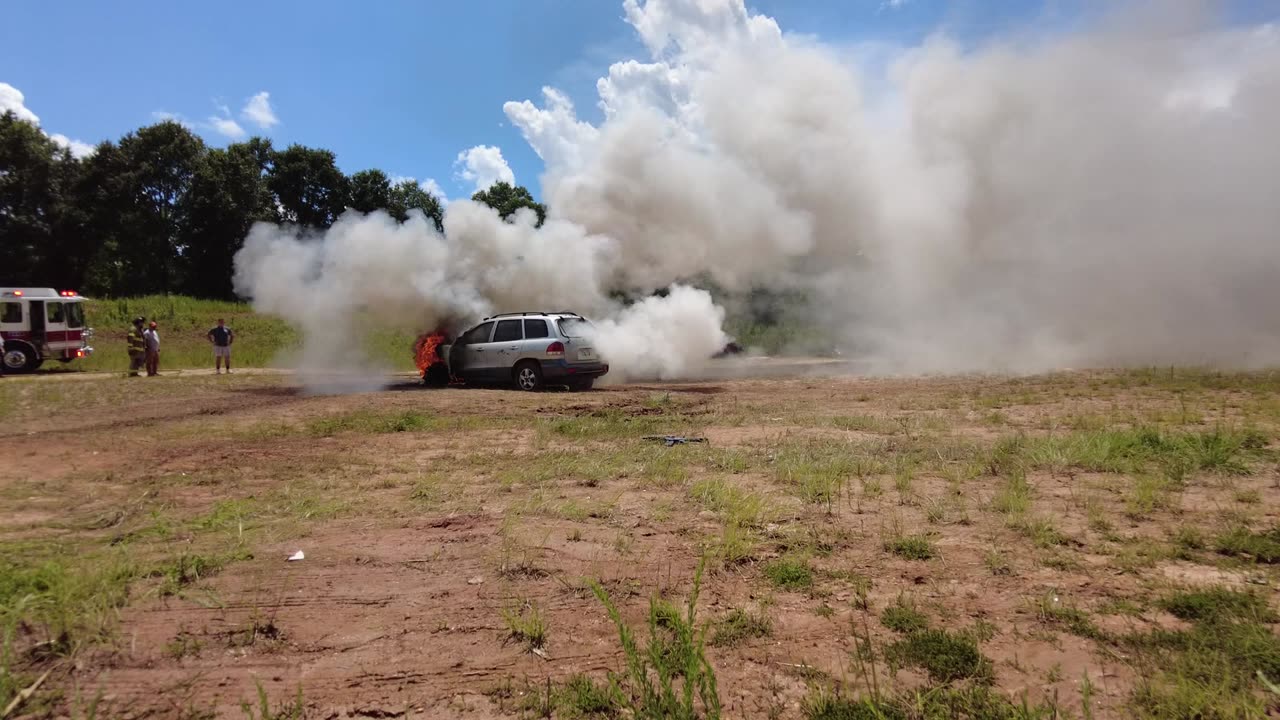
{"points": [[559, 369]]}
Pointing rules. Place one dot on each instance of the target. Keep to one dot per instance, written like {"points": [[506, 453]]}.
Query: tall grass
{"points": [[261, 340]]}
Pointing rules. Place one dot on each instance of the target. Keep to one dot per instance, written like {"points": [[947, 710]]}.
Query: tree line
{"points": [[160, 212]]}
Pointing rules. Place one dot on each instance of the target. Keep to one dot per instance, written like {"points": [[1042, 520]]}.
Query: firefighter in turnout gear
{"points": [[137, 347]]}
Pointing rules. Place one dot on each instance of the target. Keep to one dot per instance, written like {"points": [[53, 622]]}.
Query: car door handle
{"points": [[479, 349], [514, 347]]}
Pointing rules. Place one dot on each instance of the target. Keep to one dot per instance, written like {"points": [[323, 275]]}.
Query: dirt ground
{"points": [[434, 521]]}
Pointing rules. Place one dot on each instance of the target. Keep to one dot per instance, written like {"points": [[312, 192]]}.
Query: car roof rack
{"points": [[568, 313]]}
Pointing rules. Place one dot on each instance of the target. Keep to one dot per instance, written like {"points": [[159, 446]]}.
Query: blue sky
{"points": [[402, 85]]}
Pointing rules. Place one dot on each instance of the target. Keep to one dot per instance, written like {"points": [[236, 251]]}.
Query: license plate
{"points": [[586, 354]]}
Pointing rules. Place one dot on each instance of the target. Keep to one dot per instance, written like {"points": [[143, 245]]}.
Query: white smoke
{"points": [[368, 271], [1100, 195]]}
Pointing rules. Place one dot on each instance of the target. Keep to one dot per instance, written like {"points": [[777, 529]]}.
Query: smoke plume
{"points": [[1099, 195]]}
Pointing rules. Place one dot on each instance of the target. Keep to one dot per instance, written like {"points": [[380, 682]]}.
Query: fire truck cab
{"points": [[40, 324]]}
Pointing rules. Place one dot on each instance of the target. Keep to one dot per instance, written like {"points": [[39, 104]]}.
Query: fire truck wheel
{"points": [[528, 376], [20, 357]]}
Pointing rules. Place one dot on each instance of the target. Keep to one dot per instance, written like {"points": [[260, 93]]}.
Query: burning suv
{"points": [[527, 350]]}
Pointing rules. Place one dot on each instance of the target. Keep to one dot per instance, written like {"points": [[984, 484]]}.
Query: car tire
{"points": [[436, 376], [582, 384], [527, 376], [19, 357]]}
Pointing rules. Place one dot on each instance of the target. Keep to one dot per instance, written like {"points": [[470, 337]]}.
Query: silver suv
{"points": [[528, 350]]}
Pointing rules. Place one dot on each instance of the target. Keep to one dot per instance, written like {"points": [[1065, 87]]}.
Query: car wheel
{"points": [[582, 384], [436, 376], [20, 358], [528, 376]]}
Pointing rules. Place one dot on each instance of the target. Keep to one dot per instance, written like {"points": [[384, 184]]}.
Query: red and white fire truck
{"points": [[42, 324]]}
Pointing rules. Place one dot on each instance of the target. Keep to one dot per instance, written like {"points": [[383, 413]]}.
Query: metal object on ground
{"points": [[670, 440]]}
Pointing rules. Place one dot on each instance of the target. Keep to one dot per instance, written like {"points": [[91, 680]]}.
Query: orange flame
{"points": [[425, 350]]}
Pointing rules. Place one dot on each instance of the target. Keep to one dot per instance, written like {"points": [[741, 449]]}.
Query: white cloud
{"points": [[163, 115], [431, 186], [258, 111], [226, 126], [12, 99], [554, 131], [78, 149], [484, 165]]}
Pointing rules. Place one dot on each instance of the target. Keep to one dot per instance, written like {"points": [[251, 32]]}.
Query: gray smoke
{"points": [[1098, 196]]}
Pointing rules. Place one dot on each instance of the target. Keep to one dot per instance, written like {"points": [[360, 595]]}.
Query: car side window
{"points": [[477, 334], [507, 331], [12, 313], [53, 311], [534, 329]]}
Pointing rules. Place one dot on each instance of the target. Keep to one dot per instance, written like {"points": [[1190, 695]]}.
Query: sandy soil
{"points": [[397, 609]]}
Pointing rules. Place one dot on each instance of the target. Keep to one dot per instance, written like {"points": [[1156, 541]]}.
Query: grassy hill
{"points": [[261, 340]]}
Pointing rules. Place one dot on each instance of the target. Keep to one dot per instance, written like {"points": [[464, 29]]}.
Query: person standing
{"points": [[151, 337], [221, 338], [137, 347], [1, 354]]}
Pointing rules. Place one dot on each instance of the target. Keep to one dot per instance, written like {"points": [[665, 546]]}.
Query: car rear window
{"points": [[575, 327], [507, 331], [534, 329]]}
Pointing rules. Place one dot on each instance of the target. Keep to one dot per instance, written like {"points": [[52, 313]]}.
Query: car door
{"points": [[507, 339], [467, 359], [537, 335]]}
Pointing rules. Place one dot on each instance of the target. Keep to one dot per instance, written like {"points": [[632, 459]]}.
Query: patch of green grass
{"points": [[1148, 494], [1014, 496], [1222, 451], [526, 625], [790, 573], [903, 617], [65, 600], [670, 677], [1054, 610], [735, 546], [369, 422], [732, 503], [1040, 531], [740, 625], [863, 423], [1218, 604], [618, 423], [945, 656], [188, 568], [294, 708], [911, 547], [1209, 671], [830, 706], [819, 471], [998, 563], [581, 697], [1260, 547]]}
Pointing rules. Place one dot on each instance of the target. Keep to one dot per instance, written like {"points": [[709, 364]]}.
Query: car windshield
{"points": [[75, 315], [575, 327]]}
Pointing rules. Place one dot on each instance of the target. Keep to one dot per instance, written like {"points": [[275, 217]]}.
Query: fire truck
{"points": [[40, 324]]}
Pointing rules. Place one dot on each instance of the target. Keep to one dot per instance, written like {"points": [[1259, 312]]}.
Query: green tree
{"points": [[370, 190], [308, 186], [228, 194], [507, 199], [29, 191], [137, 193], [408, 195]]}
